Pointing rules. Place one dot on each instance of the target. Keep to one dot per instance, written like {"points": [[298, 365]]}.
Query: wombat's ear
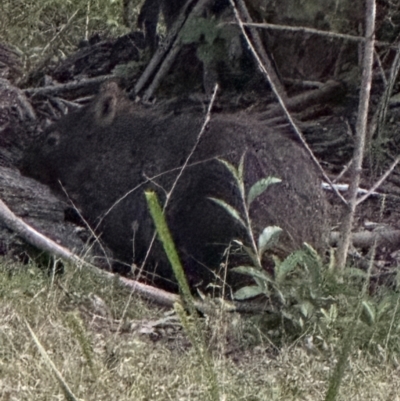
{"points": [[106, 103]]}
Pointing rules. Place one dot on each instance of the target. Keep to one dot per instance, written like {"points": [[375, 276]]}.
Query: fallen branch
{"points": [[366, 239], [35, 238], [88, 84], [345, 187], [307, 99]]}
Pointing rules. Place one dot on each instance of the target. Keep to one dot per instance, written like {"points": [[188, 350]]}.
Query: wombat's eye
{"points": [[53, 139]]}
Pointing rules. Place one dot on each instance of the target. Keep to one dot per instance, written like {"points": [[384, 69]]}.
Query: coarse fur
{"points": [[113, 147]]}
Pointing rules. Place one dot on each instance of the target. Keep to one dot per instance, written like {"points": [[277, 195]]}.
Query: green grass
{"points": [[53, 28], [77, 319]]}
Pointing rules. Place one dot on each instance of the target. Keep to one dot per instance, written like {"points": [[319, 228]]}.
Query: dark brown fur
{"points": [[114, 146]]}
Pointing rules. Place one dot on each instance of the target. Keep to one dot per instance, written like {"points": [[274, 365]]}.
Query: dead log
{"points": [[74, 89], [17, 121], [37, 205], [389, 238], [326, 92]]}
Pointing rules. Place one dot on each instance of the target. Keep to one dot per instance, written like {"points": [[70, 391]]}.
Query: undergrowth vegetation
{"points": [[79, 336], [52, 28], [106, 348]]}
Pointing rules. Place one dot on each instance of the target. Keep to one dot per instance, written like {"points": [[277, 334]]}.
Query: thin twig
{"points": [[38, 240], [163, 70], [199, 136], [92, 232], [361, 130], [345, 188], [87, 21], [169, 194], [282, 103], [387, 237], [258, 45], [343, 172], [60, 32], [313, 31], [381, 69], [380, 117], [150, 179], [302, 101], [379, 182]]}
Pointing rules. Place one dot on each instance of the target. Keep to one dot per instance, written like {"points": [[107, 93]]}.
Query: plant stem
{"points": [[361, 129], [250, 230]]}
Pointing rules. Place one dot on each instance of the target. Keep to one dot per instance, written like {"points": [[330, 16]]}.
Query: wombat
{"points": [[106, 154]]}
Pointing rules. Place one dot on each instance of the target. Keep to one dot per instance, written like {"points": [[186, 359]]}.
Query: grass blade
{"points": [[63, 384]]}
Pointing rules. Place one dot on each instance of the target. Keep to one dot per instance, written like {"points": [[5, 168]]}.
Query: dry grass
{"points": [[77, 319], [48, 30]]}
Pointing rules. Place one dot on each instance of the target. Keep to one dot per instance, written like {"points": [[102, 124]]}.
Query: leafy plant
{"points": [[211, 37], [295, 287]]}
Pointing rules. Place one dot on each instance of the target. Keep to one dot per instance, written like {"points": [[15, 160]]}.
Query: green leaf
{"points": [[286, 266], [198, 28], [232, 170], [358, 273], [330, 316], [314, 264], [312, 252], [252, 272], [228, 32], [384, 306], [277, 261], [259, 187], [248, 292], [268, 238], [231, 210], [368, 313], [306, 309], [250, 253], [241, 167], [240, 176], [205, 53]]}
